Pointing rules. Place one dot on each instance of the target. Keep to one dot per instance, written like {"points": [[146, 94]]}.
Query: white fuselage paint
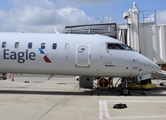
{"points": [[85, 55]]}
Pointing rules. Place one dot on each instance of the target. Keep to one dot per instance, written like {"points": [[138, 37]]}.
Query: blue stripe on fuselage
{"points": [[41, 51]]}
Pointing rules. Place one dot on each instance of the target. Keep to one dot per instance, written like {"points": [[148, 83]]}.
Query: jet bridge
{"points": [[108, 29], [113, 30]]}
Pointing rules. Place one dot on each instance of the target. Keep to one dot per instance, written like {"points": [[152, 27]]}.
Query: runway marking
{"points": [[104, 114]]}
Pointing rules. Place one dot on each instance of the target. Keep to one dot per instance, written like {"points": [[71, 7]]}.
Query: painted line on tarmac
{"points": [[137, 117], [103, 110], [133, 101], [13, 82]]}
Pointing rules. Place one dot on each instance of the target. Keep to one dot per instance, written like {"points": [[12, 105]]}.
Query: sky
{"points": [[47, 15]]}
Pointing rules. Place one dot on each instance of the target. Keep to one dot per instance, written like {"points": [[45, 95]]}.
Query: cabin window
{"points": [[43, 46], [3, 44], [54, 46], [114, 46], [67, 46], [29, 45], [82, 48], [16, 44]]}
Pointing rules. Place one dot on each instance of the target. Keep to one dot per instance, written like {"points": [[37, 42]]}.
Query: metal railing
{"points": [[160, 75]]}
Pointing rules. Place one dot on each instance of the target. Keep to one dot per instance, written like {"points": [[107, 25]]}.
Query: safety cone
{"points": [[9, 76]]}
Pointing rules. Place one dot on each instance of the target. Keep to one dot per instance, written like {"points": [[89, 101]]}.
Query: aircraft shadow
{"points": [[153, 92], [42, 92]]}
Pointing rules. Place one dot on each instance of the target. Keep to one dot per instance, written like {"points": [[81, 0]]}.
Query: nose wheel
{"points": [[125, 91]]}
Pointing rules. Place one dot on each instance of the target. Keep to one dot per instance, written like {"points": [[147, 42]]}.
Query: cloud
{"points": [[39, 16], [73, 15], [77, 3], [161, 17], [149, 19]]}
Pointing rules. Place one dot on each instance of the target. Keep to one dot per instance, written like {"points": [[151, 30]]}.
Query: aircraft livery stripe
{"points": [[45, 57], [41, 51]]}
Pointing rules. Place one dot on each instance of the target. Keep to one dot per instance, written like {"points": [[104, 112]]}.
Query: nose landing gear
{"points": [[123, 86], [125, 91]]}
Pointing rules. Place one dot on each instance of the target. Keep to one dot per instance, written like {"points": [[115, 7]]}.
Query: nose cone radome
{"points": [[155, 68], [150, 66]]}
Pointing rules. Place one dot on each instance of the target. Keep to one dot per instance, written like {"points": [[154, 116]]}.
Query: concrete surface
{"points": [[61, 99]]}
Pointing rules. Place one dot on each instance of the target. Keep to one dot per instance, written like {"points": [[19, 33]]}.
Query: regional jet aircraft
{"points": [[69, 54]]}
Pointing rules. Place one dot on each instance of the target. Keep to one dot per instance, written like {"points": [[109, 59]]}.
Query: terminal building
{"points": [[143, 34]]}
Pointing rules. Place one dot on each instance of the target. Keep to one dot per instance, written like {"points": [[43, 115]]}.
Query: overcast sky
{"points": [[45, 15]]}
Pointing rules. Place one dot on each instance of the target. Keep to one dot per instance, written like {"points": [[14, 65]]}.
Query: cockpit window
{"points": [[127, 47], [114, 46], [118, 46]]}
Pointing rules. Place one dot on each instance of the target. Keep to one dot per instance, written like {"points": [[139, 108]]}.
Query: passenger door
{"points": [[82, 55]]}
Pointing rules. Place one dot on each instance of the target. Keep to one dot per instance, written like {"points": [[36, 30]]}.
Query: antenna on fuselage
{"points": [[56, 31]]}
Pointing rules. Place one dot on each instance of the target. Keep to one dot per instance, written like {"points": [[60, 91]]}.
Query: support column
{"points": [[135, 17], [133, 24]]}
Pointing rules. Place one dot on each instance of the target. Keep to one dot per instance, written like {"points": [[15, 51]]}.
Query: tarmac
{"points": [[60, 98]]}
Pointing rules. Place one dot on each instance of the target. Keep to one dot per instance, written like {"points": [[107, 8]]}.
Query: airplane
{"points": [[71, 54]]}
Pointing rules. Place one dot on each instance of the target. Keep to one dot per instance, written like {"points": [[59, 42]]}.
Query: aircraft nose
{"points": [[146, 65], [150, 66], [155, 67]]}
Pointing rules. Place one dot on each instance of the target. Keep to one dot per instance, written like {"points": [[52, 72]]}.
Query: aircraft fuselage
{"points": [[68, 54]]}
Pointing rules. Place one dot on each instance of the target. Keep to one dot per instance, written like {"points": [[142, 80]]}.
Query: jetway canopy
{"points": [[108, 29]]}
